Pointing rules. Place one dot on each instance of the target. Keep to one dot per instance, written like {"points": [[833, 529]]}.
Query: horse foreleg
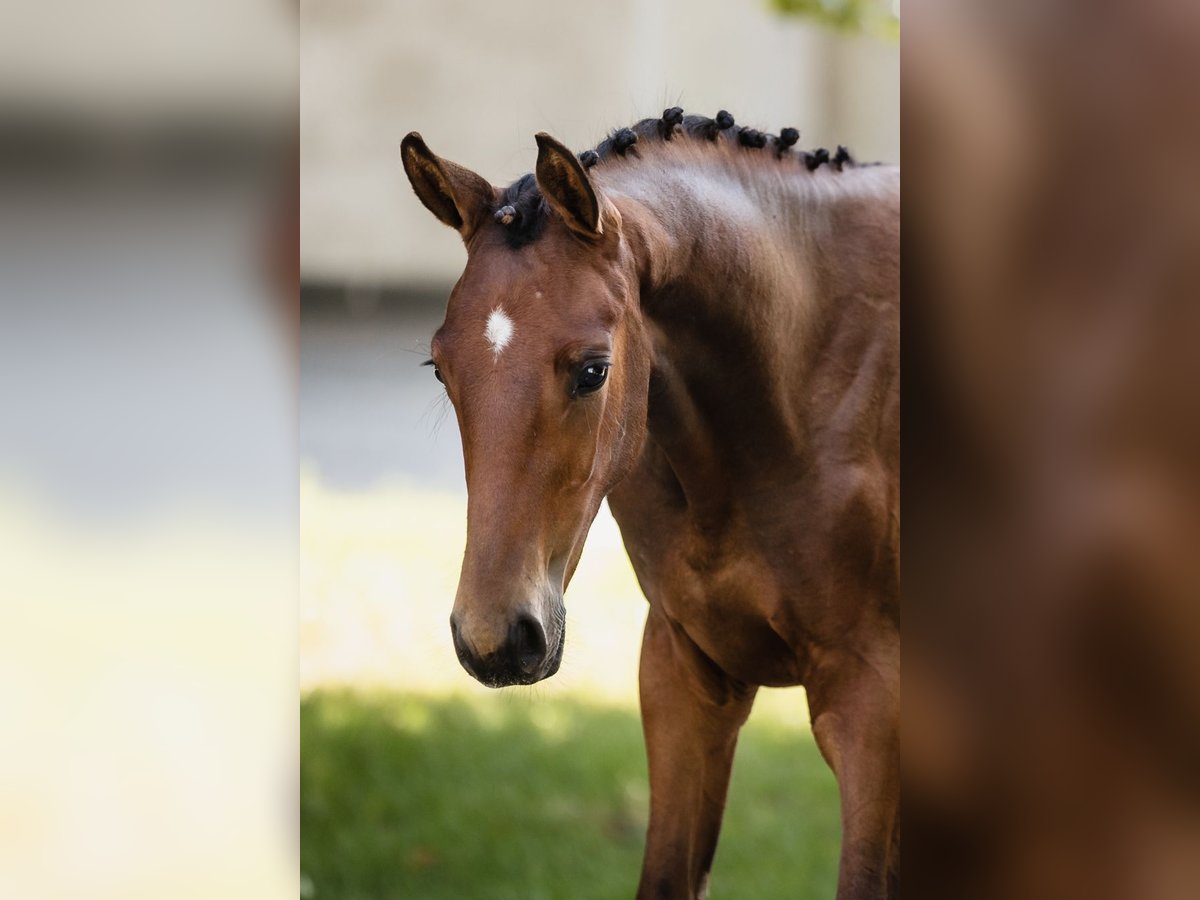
{"points": [[691, 714], [855, 716]]}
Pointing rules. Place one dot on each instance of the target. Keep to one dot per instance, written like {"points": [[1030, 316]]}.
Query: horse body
{"points": [[762, 518], [748, 444]]}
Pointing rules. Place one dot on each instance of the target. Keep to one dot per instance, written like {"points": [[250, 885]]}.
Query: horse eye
{"points": [[591, 378], [437, 373]]}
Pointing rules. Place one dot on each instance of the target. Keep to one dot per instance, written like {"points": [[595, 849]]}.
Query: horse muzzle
{"points": [[526, 655]]}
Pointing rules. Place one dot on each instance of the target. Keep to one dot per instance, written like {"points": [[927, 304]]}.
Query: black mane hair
{"points": [[523, 212], [523, 201]]}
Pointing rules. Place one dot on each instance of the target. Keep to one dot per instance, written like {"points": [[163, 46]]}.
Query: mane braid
{"points": [[522, 211]]}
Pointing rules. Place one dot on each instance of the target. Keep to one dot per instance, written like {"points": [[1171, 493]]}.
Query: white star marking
{"points": [[499, 331]]}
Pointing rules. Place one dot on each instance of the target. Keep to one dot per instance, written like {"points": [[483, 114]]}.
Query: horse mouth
{"points": [[555, 660]]}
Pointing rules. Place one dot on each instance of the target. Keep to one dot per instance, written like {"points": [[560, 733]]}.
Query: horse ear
{"points": [[566, 187], [456, 195]]}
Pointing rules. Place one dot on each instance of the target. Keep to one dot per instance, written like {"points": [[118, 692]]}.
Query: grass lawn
{"points": [[522, 796]]}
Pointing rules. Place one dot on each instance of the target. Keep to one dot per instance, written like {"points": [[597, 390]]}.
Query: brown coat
{"points": [[702, 326]]}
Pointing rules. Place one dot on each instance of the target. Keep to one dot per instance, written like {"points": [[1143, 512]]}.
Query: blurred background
{"points": [[416, 781], [150, 548]]}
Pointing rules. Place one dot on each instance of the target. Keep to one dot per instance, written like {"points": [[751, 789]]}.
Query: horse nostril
{"points": [[528, 642]]}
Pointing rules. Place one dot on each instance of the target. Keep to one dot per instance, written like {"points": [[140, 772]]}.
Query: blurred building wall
{"points": [[478, 80]]}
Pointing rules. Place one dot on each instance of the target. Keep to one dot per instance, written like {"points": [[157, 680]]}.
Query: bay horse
{"points": [[701, 324]]}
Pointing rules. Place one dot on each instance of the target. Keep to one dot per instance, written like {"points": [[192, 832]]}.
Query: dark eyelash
{"points": [[428, 362]]}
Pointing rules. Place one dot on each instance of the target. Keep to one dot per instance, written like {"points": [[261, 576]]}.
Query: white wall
{"points": [[478, 79]]}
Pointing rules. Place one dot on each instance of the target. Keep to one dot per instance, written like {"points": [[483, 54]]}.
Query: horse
{"points": [[699, 323]]}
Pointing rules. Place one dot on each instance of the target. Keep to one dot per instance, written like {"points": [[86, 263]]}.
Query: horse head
{"points": [[544, 357]]}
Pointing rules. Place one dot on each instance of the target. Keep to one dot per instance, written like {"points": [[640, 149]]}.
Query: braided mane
{"points": [[523, 211]]}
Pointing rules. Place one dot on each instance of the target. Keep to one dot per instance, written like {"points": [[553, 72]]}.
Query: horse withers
{"points": [[700, 323]]}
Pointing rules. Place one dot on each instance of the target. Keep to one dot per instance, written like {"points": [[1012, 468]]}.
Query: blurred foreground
{"points": [[1052, 450]]}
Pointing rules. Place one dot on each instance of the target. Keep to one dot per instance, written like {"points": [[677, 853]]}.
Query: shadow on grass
{"points": [[516, 796]]}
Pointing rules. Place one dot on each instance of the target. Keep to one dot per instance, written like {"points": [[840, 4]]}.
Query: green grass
{"points": [[525, 797]]}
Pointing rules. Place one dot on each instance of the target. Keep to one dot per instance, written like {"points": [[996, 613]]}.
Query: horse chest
{"points": [[728, 614], [725, 597]]}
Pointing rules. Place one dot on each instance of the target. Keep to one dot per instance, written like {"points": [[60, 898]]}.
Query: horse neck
{"points": [[717, 227], [738, 263]]}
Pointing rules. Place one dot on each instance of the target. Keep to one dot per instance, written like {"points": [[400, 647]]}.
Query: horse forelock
{"points": [[529, 211]]}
